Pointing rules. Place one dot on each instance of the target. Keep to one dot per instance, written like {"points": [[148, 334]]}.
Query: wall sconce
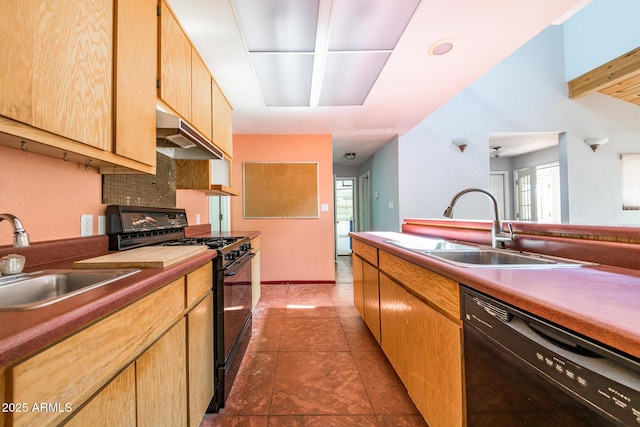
{"points": [[350, 156], [461, 143], [594, 143]]}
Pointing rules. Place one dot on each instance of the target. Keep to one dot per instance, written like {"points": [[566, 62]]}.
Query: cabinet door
{"points": [[115, 405], [424, 347], [357, 284], [175, 64], [256, 287], [135, 80], [161, 381], [56, 67], [200, 95], [222, 121], [200, 354], [371, 298]]}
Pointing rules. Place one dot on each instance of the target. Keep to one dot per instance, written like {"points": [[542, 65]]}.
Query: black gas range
{"points": [[131, 227]]}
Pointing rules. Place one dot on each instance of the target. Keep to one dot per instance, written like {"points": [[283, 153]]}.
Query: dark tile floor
{"points": [[313, 362]]}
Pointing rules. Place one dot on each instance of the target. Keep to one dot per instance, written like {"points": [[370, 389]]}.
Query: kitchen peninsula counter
{"points": [[26, 331], [598, 301]]}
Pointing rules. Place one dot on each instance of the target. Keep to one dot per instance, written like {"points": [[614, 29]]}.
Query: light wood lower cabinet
{"points": [[200, 359], [115, 405], [161, 381], [358, 286], [414, 314], [424, 348], [256, 284], [371, 298], [155, 356], [366, 291]]}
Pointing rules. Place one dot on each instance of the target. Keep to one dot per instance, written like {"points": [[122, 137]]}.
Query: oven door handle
{"points": [[240, 263]]}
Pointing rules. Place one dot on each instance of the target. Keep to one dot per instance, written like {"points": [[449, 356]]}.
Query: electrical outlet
{"points": [[86, 225]]}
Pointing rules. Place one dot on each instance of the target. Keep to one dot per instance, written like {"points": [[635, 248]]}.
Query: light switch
{"points": [[390, 205], [324, 208]]}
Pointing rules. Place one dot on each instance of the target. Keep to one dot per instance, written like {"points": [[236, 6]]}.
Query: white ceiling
{"points": [[509, 144], [412, 84]]}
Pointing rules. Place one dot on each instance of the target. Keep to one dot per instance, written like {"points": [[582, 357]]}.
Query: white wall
{"points": [[525, 93], [383, 168]]}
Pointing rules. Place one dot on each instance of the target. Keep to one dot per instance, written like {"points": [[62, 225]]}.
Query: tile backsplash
{"points": [[157, 190]]}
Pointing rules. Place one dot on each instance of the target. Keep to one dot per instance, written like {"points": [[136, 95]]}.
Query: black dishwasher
{"points": [[523, 371]]}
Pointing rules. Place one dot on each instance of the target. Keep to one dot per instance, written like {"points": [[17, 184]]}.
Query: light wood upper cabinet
{"points": [[78, 83], [56, 67], [135, 80], [200, 95], [175, 64], [222, 121]]}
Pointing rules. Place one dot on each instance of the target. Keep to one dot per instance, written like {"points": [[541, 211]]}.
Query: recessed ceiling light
{"points": [[441, 47]]}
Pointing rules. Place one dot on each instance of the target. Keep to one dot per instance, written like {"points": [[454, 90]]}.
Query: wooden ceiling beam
{"points": [[621, 72]]}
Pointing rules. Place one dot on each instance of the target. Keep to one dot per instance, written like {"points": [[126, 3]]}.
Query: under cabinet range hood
{"points": [[177, 139]]}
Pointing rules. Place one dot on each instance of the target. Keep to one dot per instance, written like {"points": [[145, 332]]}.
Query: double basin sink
{"points": [[468, 255], [34, 290]]}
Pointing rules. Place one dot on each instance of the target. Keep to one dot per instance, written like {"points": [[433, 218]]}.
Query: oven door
{"points": [[237, 303]]}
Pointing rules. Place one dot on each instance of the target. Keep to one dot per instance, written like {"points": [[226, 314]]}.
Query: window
{"points": [[630, 181]]}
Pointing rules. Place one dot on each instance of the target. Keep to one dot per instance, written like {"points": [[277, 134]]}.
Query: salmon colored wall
{"points": [[195, 203], [48, 195], [291, 249]]}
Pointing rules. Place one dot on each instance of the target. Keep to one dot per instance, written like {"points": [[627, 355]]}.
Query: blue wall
{"points": [[383, 168]]}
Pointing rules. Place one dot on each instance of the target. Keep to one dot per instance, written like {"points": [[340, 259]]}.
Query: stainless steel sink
{"points": [[42, 288], [427, 244], [496, 258]]}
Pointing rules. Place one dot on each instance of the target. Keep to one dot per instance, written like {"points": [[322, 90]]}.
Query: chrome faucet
{"points": [[20, 237], [498, 235]]}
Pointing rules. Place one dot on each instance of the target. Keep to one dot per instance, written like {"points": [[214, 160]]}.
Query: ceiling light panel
{"points": [[369, 24], [278, 25], [348, 77], [285, 78]]}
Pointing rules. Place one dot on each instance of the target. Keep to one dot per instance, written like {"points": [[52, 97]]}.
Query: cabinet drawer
{"points": [[74, 369], [365, 251], [438, 290], [199, 282]]}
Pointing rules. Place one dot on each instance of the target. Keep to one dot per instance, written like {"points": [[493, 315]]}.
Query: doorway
{"points": [[537, 193], [345, 215], [219, 213]]}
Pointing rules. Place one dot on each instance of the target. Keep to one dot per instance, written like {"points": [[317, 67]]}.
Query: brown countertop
{"points": [[599, 302], [24, 332]]}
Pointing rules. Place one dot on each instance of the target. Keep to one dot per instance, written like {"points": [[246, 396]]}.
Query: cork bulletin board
{"points": [[280, 190]]}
